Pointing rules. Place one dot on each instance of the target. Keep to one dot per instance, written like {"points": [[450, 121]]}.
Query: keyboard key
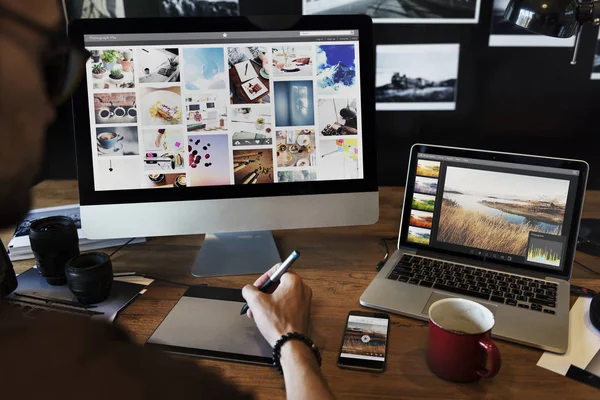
{"points": [[393, 277], [511, 302], [528, 294], [539, 291], [523, 306], [473, 288], [426, 283], [403, 278], [536, 308], [460, 291], [463, 286], [516, 292], [497, 299], [521, 282], [485, 291], [514, 286], [546, 311], [413, 281], [550, 304], [543, 297], [497, 293], [521, 298], [509, 295]]}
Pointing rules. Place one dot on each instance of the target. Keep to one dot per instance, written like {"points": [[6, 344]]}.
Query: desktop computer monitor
{"points": [[231, 127]]}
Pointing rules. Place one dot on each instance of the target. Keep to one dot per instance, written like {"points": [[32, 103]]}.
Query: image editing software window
{"points": [[365, 338], [497, 210], [208, 109]]}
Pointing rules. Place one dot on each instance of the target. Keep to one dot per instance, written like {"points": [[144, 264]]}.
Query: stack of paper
{"points": [[19, 247]]}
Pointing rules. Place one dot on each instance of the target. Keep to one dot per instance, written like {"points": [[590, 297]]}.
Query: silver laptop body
{"points": [[452, 198]]}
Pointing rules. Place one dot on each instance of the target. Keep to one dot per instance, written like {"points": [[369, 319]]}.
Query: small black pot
{"points": [[90, 277]]}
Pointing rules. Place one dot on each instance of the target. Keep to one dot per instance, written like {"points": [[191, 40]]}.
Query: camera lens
{"points": [[54, 241]]}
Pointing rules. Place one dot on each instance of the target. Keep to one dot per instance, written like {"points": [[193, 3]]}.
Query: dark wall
{"points": [[509, 99]]}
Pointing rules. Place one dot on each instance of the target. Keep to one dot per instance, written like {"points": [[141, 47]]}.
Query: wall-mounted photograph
{"points": [[199, 8], [400, 11], [83, 9], [596, 62], [416, 77], [507, 34]]}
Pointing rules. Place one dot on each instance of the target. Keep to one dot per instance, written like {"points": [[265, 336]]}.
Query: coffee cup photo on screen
{"points": [[506, 34], [253, 166], [160, 105], [158, 65], [295, 103], [112, 68], [251, 125], [337, 117], [205, 69], [398, 12], [248, 74], [208, 160], [163, 149], [117, 141], [292, 61], [339, 159], [296, 148], [206, 112], [416, 77], [336, 69], [115, 108]]}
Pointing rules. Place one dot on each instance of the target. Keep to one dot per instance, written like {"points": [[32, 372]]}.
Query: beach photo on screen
{"points": [[419, 235], [336, 69], [596, 62], [416, 77], [399, 11], [199, 8], [426, 185], [422, 219], [423, 202], [507, 34], [496, 211], [428, 168], [208, 160]]}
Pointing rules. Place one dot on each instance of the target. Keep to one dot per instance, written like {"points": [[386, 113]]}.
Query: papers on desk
{"points": [[245, 71], [19, 247], [582, 359]]}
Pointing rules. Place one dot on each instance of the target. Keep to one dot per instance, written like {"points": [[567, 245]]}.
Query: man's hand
{"points": [[285, 309]]}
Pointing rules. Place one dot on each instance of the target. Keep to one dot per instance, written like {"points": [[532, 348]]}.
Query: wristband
{"points": [[293, 336]]}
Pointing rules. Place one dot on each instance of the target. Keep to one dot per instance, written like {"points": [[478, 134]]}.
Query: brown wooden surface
{"points": [[338, 264], [236, 83]]}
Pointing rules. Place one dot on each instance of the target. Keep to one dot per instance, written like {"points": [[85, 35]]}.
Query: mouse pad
{"points": [[206, 322]]}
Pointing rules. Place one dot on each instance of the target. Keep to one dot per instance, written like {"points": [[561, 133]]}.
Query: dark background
{"points": [[528, 99]]}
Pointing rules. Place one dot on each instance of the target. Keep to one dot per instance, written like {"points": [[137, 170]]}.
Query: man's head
{"points": [[25, 110]]}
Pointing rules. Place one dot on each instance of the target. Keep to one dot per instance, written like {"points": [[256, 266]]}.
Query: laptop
{"points": [[496, 228]]}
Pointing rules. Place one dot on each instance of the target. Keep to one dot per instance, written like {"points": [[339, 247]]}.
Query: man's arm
{"points": [[303, 378], [285, 310]]}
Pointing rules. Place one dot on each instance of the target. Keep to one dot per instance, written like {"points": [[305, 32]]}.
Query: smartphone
{"points": [[364, 345]]}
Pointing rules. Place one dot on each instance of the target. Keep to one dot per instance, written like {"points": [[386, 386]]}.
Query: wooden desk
{"points": [[338, 264]]}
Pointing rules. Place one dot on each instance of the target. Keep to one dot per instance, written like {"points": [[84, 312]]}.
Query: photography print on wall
{"points": [[507, 34], [400, 11], [199, 8], [596, 66], [416, 77], [82, 9]]}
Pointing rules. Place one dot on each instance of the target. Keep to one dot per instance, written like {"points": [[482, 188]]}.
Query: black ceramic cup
{"points": [[54, 241], [90, 277]]}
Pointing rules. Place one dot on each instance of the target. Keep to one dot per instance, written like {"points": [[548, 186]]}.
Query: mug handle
{"points": [[493, 355]]}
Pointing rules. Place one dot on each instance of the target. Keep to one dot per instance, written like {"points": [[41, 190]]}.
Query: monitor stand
{"points": [[239, 253]]}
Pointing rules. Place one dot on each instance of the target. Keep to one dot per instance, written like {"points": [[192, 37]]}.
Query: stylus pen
{"points": [[273, 279]]}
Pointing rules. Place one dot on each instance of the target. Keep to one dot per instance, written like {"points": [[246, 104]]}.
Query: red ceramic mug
{"points": [[459, 341]]}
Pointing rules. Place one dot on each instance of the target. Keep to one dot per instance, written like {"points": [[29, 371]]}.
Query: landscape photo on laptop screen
{"points": [[498, 210], [217, 108]]}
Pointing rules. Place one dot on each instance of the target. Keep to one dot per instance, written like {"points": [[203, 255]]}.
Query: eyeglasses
{"points": [[62, 63]]}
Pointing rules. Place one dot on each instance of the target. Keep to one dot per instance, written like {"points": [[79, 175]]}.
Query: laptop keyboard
{"points": [[497, 287]]}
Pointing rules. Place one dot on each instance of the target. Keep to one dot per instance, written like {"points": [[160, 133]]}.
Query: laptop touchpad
{"points": [[435, 296]]}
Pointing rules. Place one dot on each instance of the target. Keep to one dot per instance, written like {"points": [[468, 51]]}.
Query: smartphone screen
{"points": [[364, 345]]}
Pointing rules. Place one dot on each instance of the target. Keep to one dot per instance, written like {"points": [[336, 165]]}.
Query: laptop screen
{"points": [[510, 212]]}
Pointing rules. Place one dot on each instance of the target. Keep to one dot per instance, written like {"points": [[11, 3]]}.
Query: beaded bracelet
{"points": [[290, 336]]}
